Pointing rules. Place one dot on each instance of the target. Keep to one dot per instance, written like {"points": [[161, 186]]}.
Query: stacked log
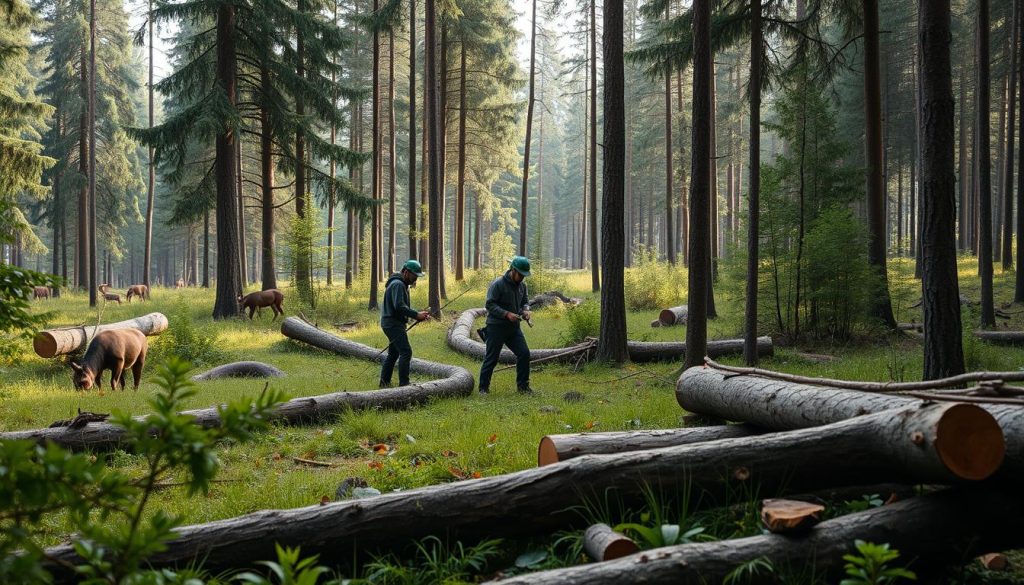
{"points": [[555, 448], [64, 340], [673, 316]]}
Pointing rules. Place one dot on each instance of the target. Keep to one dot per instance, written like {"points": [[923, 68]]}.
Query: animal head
{"points": [[83, 377], [240, 298]]}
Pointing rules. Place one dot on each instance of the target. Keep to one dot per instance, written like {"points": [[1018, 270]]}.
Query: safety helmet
{"points": [[521, 265], [414, 267]]}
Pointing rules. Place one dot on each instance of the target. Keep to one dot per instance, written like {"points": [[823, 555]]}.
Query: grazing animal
{"points": [[112, 297], [265, 298], [41, 292], [115, 350], [180, 283], [138, 290]]}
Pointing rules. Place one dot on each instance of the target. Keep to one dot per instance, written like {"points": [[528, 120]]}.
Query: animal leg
{"points": [[118, 375], [137, 369]]}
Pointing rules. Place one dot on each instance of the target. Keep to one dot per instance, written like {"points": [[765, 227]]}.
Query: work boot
{"points": [[525, 390]]}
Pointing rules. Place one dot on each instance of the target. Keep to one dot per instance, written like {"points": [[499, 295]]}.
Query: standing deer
{"points": [[41, 292], [138, 290], [109, 296], [113, 350], [271, 297]]}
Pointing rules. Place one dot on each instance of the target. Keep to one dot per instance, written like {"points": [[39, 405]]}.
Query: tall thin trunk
{"points": [[460, 205], [206, 248], [92, 156], [424, 254], [477, 229], [1018, 293], [301, 260], [413, 252], [586, 171], [1007, 189], [392, 223], [375, 180], [529, 133], [754, 200], [151, 183], [595, 258], [332, 193], [432, 128], [243, 268], [670, 247], [700, 186], [988, 316], [229, 281], [269, 270], [442, 150], [712, 265], [963, 174], [997, 193]]}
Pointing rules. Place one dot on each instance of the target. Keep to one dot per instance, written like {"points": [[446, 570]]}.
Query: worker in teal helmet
{"points": [[507, 306], [394, 315]]}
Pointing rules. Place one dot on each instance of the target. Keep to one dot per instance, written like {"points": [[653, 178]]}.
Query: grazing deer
{"points": [[41, 292], [265, 298], [114, 350], [138, 290], [180, 283]]}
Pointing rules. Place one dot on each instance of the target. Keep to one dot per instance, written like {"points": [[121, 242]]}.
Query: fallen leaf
{"points": [[380, 449], [376, 465], [589, 425], [449, 453], [324, 500], [456, 472], [476, 475], [493, 438]]}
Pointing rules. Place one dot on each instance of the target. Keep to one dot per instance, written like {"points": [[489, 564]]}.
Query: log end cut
{"points": [[969, 442], [547, 452], [604, 544], [44, 344], [790, 516]]}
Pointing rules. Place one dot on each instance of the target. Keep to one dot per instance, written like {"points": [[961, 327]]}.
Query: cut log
{"points": [[64, 340], [537, 501], [994, 561], [1001, 337], [460, 340], [780, 405], [240, 370], [555, 448], [930, 531], [602, 543], [783, 516], [546, 299], [656, 323], [453, 381], [673, 316]]}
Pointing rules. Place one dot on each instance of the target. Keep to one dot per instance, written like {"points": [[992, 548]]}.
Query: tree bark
{"points": [[269, 269], [433, 134], [93, 253], [1018, 294], [413, 252], [375, 180], [229, 280], [523, 205], [151, 183], [595, 277], [604, 544], [670, 247], [556, 448], [983, 155], [1007, 188], [1001, 337], [700, 186], [754, 198], [459, 249], [673, 316], [392, 166], [64, 340]]}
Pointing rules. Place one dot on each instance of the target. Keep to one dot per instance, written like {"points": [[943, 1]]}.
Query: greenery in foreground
{"points": [[444, 441]]}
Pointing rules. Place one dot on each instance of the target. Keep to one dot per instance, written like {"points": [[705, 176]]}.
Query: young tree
{"points": [[595, 277], [754, 201], [1007, 184], [433, 133], [529, 132]]}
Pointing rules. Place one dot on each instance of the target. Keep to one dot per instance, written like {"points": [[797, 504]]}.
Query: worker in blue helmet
{"points": [[394, 316], [507, 306]]}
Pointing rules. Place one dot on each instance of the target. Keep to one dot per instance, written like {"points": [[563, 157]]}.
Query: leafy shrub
{"points": [[871, 566], [189, 341], [17, 323], [584, 321], [542, 279], [839, 280], [652, 284]]}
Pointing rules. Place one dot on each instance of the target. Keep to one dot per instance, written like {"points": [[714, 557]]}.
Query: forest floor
{"points": [[447, 439]]}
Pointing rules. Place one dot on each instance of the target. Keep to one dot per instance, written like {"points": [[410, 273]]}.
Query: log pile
{"points": [[64, 340]]}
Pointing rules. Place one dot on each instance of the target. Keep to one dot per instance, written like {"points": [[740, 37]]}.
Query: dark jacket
{"points": [[505, 296], [396, 311]]}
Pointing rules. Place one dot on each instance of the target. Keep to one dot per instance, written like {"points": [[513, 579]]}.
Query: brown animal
{"points": [[112, 297], [41, 292], [138, 290], [113, 350], [180, 283], [265, 298]]}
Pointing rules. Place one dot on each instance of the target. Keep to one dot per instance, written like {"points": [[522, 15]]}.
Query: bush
{"points": [[189, 341], [584, 321], [652, 284], [839, 279]]}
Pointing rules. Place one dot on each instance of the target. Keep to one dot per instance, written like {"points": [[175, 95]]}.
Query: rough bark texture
{"points": [[229, 278], [754, 200], [240, 370], [931, 530], [555, 448], [943, 348], [54, 342], [454, 381], [1011, 106], [604, 544], [1018, 290], [639, 351], [984, 167], [412, 130], [673, 316], [524, 198], [595, 259], [432, 133], [269, 269], [536, 501], [779, 405], [700, 185]]}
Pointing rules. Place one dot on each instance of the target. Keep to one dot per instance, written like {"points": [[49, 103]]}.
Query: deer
{"points": [[138, 290], [271, 297], [180, 283], [41, 292], [109, 296], [115, 350]]}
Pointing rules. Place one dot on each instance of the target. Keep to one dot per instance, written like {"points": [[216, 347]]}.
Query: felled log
{"points": [[460, 340], [930, 531], [546, 299], [1001, 337], [782, 516], [601, 543], [536, 501], [780, 405], [453, 381], [240, 370], [673, 316], [656, 323], [555, 448], [54, 342]]}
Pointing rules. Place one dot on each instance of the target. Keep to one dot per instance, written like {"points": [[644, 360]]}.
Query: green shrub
{"points": [[651, 284], [189, 341], [584, 321]]}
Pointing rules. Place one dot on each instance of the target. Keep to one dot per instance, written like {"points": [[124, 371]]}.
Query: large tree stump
{"points": [[930, 531], [555, 448], [54, 342], [958, 443], [780, 405], [673, 316], [454, 381]]}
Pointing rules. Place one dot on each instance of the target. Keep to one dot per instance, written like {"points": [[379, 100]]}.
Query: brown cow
{"points": [[114, 350], [138, 290], [265, 298], [41, 292]]}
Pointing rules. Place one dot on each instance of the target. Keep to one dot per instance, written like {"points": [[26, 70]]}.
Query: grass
{"points": [[445, 440]]}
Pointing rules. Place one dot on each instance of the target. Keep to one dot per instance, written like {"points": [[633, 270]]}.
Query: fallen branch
{"points": [[555, 448], [64, 340], [313, 462]]}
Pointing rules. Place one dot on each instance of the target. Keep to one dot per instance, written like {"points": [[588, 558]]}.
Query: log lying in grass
{"points": [[453, 381], [931, 531], [555, 448], [673, 316], [601, 543], [1001, 337], [639, 351], [781, 405], [551, 297], [64, 340], [958, 443], [240, 370]]}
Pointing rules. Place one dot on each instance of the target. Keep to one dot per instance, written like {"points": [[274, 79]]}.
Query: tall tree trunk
{"points": [[424, 253], [712, 265], [300, 258], [964, 175], [413, 252], [442, 151], [332, 194], [700, 186], [882, 309], [151, 183], [229, 281], [523, 205], [1007, 189], [93, 259], [611, 345], [375, 181], [392, 167], [243, 268], [82, 267], [943, 352], [433, 132], [269, 269], [997, 193], [595, 258], [206, 248], [988, 316], [670, 246], [460, 205], [585, 167], [754, 199], [1018, 294]]}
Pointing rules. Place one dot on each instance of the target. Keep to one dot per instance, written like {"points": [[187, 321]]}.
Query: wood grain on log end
{"points": [[790, 516], [604, 544], [547, 453], [969, 442], [994, 561], [673, 316]]}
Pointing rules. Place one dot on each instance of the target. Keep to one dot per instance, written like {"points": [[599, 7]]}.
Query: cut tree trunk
{"points": [[64, 340], [932, 531], [454, 381], [780, 405], [673, 316], [555, 448], [604, 544], [958, 443], [782, 516], [1001, 337], [240, 370]]}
